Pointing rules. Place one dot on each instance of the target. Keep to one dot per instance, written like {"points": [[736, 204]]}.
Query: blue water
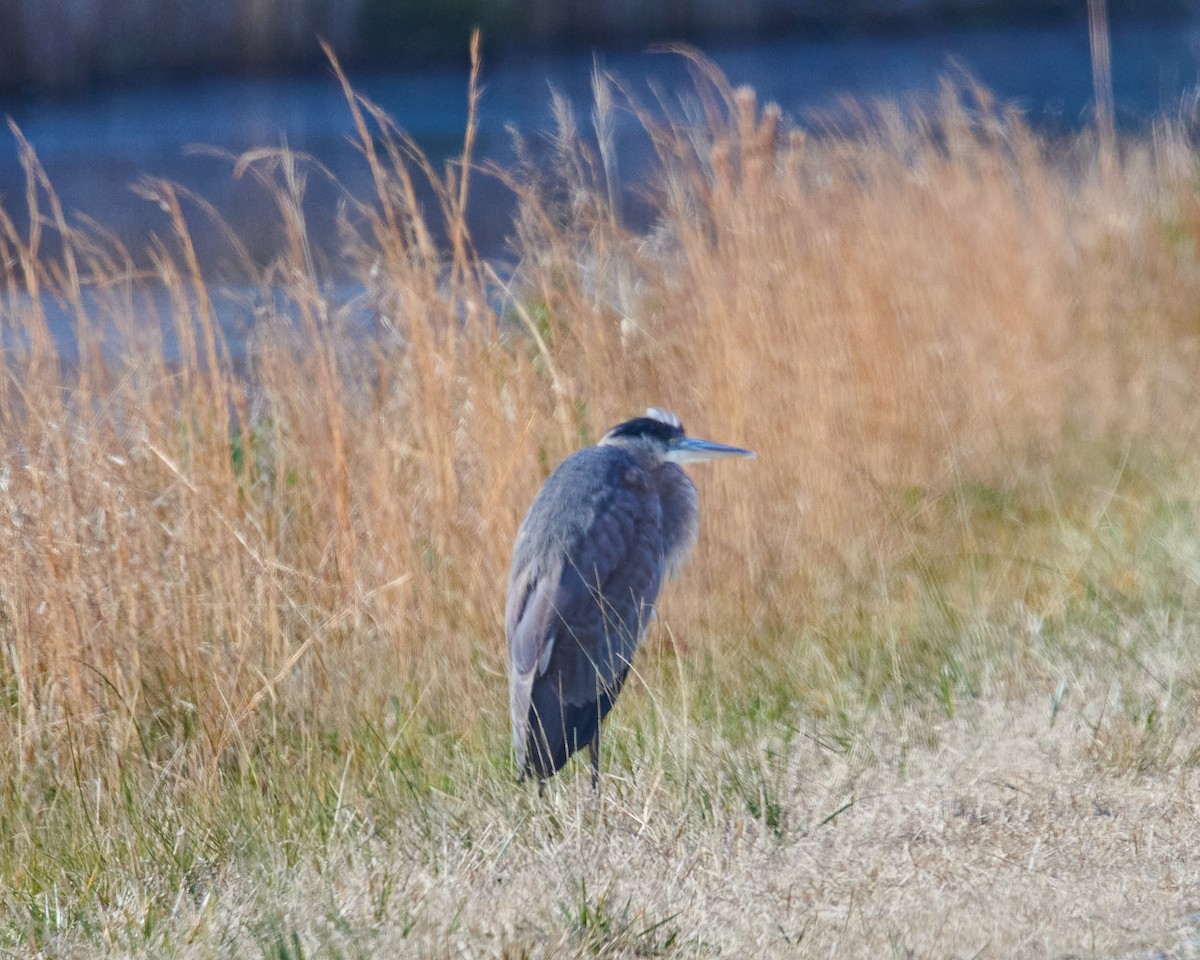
{"points": [[94, 148]]}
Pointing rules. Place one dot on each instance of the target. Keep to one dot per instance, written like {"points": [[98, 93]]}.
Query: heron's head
{"points": [[658, 438]]}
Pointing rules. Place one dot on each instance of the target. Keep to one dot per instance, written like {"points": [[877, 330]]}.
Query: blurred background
{"points": [[108, 91], [62, 46]]}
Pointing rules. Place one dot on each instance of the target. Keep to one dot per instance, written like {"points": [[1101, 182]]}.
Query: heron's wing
{"points": [[530, 623], [529, 616], [605, 595]]}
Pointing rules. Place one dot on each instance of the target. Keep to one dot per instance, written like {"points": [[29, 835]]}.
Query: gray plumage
{"points": [[610, 522]]}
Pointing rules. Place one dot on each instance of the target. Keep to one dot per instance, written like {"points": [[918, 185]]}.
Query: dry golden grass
{"points": [[1000, 841], [250, 640]]}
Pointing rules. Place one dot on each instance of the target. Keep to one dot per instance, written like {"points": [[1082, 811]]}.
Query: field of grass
{"points": [[927, 687]]}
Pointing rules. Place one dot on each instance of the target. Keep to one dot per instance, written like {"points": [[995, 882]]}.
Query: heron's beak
{"points": [[691, 450]]}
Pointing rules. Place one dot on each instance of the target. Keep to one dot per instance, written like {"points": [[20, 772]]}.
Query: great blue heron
{"points": [[610, 522]]}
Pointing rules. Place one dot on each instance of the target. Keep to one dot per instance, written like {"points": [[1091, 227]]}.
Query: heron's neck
{"points": [[680, 512]]}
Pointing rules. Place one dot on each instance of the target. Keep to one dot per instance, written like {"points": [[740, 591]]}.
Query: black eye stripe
{"points": [[647, 427]]}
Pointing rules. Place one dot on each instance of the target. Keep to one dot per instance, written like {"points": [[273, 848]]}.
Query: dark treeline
{"points": [[63, 46]]}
